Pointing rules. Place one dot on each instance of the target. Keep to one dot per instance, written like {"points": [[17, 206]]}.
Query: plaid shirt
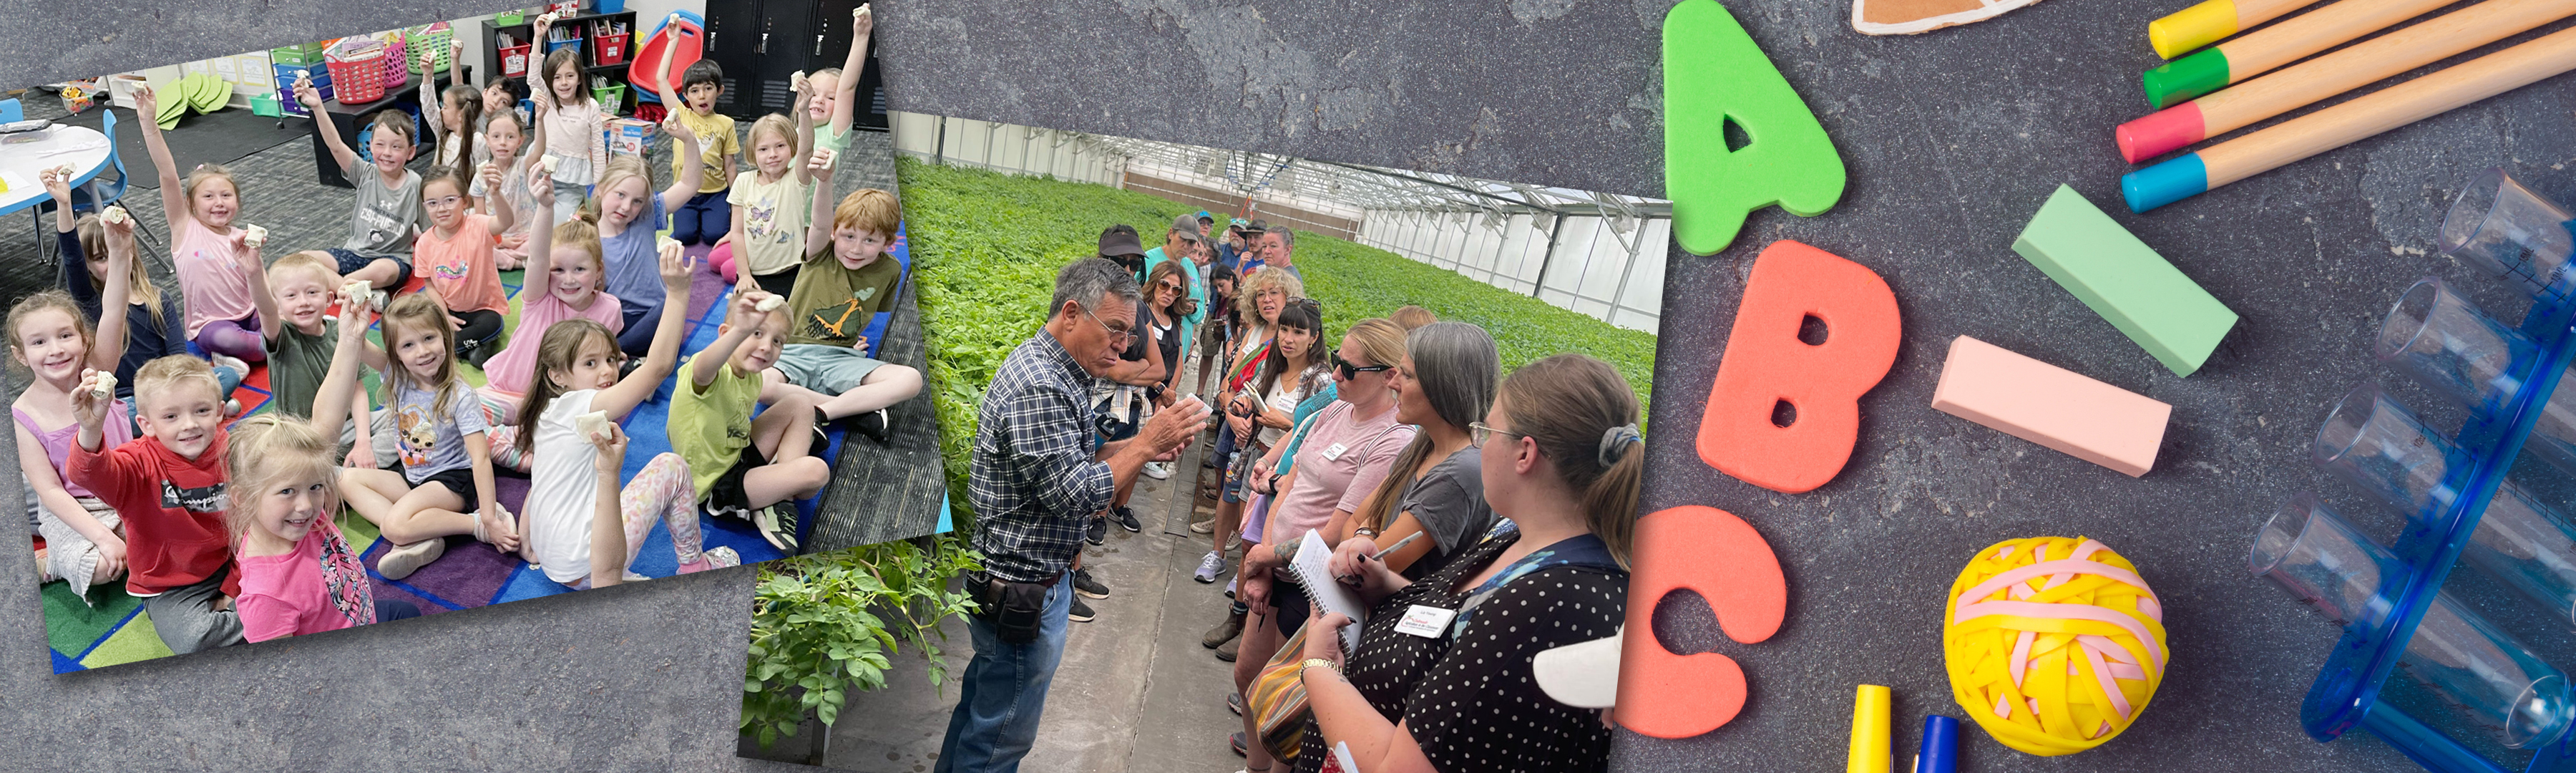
{"points": [[1031, 474]]}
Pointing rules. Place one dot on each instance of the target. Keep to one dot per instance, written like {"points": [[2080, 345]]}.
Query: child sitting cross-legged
{"points": [[846, 279], [169, 487], [445, 486], [583, 528], [746, 467]]}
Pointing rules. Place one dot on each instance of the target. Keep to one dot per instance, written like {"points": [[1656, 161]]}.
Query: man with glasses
{"points": [[1037, 473]]}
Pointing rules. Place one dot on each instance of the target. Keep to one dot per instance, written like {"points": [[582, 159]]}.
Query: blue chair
{"points": [[101, 192], [11, 111]]}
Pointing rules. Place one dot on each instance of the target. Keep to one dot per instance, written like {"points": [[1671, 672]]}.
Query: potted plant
{"points": [[824, 626]]}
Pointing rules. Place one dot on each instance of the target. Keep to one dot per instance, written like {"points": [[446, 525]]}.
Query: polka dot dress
{"points": [[1469, 697]]}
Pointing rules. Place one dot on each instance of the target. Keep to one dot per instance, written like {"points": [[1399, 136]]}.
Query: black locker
{"points": [[761, 43]]}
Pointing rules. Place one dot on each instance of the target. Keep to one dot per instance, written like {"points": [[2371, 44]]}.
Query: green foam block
{"points": [[2125, 281]]}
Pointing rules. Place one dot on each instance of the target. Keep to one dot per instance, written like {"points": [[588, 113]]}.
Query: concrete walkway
{"points": [[1135, 692]]}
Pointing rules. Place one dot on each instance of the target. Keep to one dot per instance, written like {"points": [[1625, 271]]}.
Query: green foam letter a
{"points": [[1714, 74]]}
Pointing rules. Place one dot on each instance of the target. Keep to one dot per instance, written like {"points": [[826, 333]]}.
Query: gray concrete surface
{"points": [[1952, 138]]}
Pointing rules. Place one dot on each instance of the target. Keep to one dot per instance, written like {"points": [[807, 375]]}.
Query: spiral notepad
{"points": [[1310, 569]]}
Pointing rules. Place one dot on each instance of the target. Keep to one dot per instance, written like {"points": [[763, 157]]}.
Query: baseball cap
{"points": [[1188, 226], [1120, 240]]}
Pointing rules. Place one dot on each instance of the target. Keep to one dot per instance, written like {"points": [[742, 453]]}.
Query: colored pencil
{"points": [[2179, 80], [2486, 76], [2359, 65], [2211, 21]]}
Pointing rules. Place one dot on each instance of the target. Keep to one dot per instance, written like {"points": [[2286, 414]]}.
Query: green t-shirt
{"points": [[296, 365], [833, 304], [710, 428]]}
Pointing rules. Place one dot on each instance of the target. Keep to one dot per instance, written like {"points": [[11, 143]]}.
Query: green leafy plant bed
{"points": [[986, 247], [823, 626]]}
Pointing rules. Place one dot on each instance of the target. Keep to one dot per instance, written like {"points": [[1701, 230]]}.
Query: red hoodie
{"points": [[173, 510]]}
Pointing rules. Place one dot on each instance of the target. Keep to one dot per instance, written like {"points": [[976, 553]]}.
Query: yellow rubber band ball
{"points": [[2054, 645]]}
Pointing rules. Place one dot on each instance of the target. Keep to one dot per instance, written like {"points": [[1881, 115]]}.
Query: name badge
{"points": [[1426, 622], [1334, 452]]}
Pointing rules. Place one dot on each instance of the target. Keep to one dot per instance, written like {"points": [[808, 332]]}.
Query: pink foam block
{"points": [[2051, 406]]}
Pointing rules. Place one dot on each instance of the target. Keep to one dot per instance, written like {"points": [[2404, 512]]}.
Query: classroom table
{"points": [[83, 149]]}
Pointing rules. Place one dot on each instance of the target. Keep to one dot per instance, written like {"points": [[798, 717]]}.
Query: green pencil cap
{"points": [[2185, 79]]}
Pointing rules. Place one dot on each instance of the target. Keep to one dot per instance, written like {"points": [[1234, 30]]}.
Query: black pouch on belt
{"points": [[1014, 608]]}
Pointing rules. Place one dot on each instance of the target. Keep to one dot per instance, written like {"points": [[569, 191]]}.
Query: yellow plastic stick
{"points": [[1869, 748]]}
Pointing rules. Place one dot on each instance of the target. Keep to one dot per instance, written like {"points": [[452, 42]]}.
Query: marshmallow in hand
{"points": [[254, 236], [358, 293], [114, 215], [592, 424], [770, 303], [104, 385]]}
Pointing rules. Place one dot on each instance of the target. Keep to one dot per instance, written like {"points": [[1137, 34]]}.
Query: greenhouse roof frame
{"points": [[1378, 188]]}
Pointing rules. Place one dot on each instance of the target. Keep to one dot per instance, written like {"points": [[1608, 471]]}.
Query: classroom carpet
{"points": [[110, 628], [220, 137]]}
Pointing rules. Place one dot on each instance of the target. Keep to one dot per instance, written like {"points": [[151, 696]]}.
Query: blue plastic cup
{"points": [[2443, 341], [2309, 551], [2378, 445], [2500, 225]]}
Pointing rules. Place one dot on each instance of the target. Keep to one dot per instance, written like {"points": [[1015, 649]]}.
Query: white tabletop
{"points": [[83, 149]]}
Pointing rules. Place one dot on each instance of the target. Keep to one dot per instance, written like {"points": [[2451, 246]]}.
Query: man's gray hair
{"points": [[1287, 238], [1085, 281]]}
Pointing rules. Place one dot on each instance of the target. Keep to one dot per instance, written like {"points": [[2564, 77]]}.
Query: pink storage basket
{"points": [[357, 67]]}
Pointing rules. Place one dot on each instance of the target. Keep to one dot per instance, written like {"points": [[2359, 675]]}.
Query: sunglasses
{"points": [[1350, 371], [1308, 304], [1478, 433]]}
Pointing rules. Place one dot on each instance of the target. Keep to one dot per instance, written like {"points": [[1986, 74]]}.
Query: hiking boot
{"points": [[1098, 531], [1083, 584], [1126, 518], [1224, 632], [1210, 566], [1226, 653], [1081, 612], [777, 524]]}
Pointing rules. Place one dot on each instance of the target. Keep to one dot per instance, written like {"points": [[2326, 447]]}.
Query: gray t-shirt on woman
{"points": [[1450, 502]]}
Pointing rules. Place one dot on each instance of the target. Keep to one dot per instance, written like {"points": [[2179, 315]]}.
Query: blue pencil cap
{"points": [[2165, 183], [1940, 750]]}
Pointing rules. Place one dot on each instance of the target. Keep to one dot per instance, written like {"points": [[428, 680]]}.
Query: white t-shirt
{"points": [[563, 489]]}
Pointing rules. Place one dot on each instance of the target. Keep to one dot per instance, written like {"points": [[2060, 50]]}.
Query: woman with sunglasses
{"points": [[1262, 298], [1167, 296], [1341, 452], [1560, 458], [1446, 383]]}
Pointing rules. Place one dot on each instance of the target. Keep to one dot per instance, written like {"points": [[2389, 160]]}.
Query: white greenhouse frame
{"points": [[1597, 254]]}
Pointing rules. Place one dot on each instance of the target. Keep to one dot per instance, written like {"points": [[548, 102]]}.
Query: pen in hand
{"points": [[1354, 580]]}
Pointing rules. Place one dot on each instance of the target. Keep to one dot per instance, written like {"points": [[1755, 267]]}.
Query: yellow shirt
{"points": [[715, 141], [711, 428]]}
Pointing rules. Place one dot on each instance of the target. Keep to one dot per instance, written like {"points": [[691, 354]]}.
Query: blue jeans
{"points": [[641, 320], [703, 220], [1003, 691]]}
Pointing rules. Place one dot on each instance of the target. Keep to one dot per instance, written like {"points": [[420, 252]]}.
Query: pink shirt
{"points": [[460, 267], [320, 586], [511, 371], [1340, 464], [211, 276]]}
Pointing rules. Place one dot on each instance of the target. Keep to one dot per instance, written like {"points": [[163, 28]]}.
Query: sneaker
{"points": [[1081, 612], [403, 560], [777, 523], [1226, 652], [1234, 702], [1098, 531], [1210, 566], [874, 424], [1126, 518], [1203, 527], [712, 558], [1225, 631], [1158, 470], [1083, 584], [1229, 586], [1236, 741]]}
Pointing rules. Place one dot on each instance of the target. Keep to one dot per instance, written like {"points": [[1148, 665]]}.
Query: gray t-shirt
{"points": [[1450, 502], [388, 218], [433, 441]]}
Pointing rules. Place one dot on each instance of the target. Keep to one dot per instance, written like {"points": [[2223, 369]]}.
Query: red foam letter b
{"points": [[1742, 432]]}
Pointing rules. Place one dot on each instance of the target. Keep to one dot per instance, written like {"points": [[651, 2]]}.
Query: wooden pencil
{"points": [[2356, 66], [2177, 81], [2211, 21], [2194, 173]]}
